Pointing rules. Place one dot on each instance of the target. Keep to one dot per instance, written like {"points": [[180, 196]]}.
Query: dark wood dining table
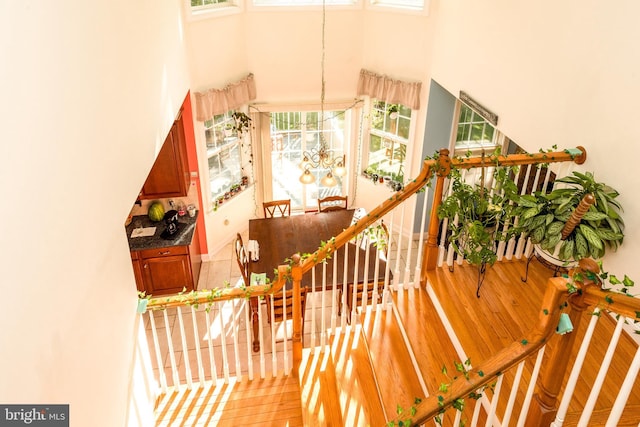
{"points": [[281, 237]]}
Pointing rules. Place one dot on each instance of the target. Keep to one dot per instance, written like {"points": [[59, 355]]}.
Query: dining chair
{"points": [[276, 208], [379, 238], [242, 258], [284, 304], [332, 203]]}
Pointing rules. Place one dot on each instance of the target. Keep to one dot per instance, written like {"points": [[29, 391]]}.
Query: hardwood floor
{"points": [[339, 386]]}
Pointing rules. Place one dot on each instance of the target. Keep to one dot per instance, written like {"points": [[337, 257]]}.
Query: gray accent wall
{"points": [[440, 109]]}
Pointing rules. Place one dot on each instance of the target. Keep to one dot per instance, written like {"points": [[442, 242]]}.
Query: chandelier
{"points": [[320, 157]]}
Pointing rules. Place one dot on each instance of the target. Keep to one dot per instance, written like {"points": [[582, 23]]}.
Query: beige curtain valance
{"points": [[219, 101], [385, 88]]}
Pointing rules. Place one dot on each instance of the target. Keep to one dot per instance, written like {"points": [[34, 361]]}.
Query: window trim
{"points": [[317, 5], [211, 11], [381, 6]]}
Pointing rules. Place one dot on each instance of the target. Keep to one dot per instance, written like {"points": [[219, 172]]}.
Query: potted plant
{"points": [[474, 215], [228, 130], [392, 111], [242, 122], [543, 218]]}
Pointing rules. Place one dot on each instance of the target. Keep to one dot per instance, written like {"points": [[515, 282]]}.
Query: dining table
{"points": [[279, 238]]}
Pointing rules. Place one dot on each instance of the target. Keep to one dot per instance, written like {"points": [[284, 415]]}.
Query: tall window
{"points": [[224, 154], [388, 138], [474, 132], [293, 134]]}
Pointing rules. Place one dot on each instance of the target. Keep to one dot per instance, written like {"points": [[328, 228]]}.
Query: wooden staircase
{"points": [[366, 375]]}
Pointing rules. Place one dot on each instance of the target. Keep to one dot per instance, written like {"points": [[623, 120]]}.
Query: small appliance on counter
{"points": [[171, 225]]}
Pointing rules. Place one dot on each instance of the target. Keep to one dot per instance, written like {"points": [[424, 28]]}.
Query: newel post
{"points": [[296, 275], [544, 405], [442, 169]]}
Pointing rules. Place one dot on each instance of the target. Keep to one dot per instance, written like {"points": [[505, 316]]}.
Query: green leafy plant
{"points": [[242, 122], [475, 214], [543, 216]]}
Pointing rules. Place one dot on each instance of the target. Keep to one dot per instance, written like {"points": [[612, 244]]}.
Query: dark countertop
{"points": [[186, 227]]}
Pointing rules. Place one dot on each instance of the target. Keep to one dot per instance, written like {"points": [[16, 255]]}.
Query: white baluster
{"points": [[247, 320], [494, 402], [365, 277], [156, 346], [602, 373], [323, 317], [355, 280], [172, 356], [234, 335], [334, 292], [512, 396], [345, 277], [261, 338], [212, 360], [625, 391], [313, 308], [196, 339], [418, 271], [575, 371], [532, 384], [396, 273], [285, 332], [376, 268], [407, 267], [185, 350], [223, 343], [274, 358], [476, 412]]}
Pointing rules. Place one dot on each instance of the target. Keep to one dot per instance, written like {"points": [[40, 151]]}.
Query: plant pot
{"points": [[381, 180]]}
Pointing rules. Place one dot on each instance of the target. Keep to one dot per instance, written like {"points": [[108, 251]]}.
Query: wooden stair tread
{"points": [[630, 417], [397, 380], [420, 319], [334, 392]]}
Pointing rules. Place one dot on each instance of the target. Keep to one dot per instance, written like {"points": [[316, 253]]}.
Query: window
{"points": [[301, 2], [292, 135], [410, 4], [224, 154], [198, 9], [388, 138], [474, 133]]}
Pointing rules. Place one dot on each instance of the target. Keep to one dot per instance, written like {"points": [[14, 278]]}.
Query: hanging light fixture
{"points": [[320, 157]]}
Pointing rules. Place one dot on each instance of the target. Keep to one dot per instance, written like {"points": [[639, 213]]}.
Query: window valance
{"points": [[218, 101], [387, 89]]}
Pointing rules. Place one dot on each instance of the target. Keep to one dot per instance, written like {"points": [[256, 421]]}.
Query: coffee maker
{"points": [[171, 225]]}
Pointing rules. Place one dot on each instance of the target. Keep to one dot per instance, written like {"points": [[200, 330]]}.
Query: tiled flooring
{"points": [[221, 319]]}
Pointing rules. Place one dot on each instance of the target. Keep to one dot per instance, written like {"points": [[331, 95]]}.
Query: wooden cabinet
{"points": [[166, 270], [137, 270], [169, 176]]}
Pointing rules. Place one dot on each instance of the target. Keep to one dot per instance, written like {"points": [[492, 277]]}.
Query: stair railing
{"points": [[439, 168], [579, 291]]}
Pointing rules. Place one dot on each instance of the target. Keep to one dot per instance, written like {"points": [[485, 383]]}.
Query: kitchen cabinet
{"points": [[167, 270], [169, 176], [137, 270]]}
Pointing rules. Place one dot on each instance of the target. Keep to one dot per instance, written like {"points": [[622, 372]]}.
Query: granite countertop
{"points": [[184, 236]]}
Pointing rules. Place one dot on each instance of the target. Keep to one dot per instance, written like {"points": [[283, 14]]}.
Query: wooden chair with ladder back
{"points": [[332, 203], [380, 240], [276, 208], [283, 303]]}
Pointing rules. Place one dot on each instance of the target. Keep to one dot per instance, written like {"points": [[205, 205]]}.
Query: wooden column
{"points": [[430, 260], [544, 405], [296, 275], [577, 215]]}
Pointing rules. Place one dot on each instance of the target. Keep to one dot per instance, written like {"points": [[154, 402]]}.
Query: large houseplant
{"points": [[475, 215], [543, 218]]}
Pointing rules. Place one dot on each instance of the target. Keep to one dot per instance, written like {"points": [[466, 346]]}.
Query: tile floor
{"points": [[226, 317]]}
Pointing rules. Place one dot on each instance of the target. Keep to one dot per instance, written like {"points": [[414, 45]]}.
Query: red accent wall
{"points": [[192, 160]]}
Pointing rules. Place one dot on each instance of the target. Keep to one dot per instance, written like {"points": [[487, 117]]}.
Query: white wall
{"points": [[562, 73], [89, 91]]}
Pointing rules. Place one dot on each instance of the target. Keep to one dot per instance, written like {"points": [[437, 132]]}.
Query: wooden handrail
{"points": [[441, 166], [486, 372]]}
